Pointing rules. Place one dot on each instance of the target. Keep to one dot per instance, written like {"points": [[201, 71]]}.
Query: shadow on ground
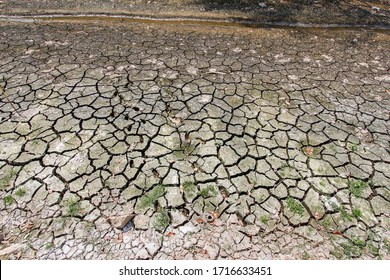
{"points": [[307, 11], [372, 13]]}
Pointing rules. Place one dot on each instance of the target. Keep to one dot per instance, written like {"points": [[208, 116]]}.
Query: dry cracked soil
{"points": [[132, 140]]}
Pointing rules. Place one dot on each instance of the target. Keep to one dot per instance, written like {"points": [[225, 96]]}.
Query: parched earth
{"points": [[177, 141]]}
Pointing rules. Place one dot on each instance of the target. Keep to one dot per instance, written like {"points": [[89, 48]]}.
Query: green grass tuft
{"points": [[357, 213], [5, 181], [152, 196], [190, 189], [20, 192], [357, 187], [264, 219], [161, 220], [208, 191], [8, 200], [295, 206], [73, 207]]}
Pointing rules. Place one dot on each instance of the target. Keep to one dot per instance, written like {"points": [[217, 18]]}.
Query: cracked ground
{"points": [[146, 141]]}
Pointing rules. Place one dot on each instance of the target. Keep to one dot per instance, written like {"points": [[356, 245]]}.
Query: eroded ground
{"points": [[143, 141]]}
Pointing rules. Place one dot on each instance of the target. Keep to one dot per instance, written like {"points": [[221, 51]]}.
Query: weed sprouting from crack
{"points": [[73, 207], [264, 219], [357, 213], [357, 187], [9, 199], [20, 192], [152, 196], [5, 181], [161, 220], [352, 147], [295, 206], [190, 189], [208, 191]]}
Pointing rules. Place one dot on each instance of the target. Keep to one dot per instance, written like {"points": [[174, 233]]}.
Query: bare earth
{"points": [[134, 140]]}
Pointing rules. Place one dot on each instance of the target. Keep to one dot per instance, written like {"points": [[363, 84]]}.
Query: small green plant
{"points": [[208, 191], [20, 192], [345, 215], [358, 242], [351, 249], [35, 142], [187, 149], [374, 250], [152, 196], [352, 147], [356, 187], [8, 200], [73, 207], [357, 213], [327, 222], [49, 246], [295, 206], [4, 182], [161, 220], [305, 256], [189, 189], [338, 253], [283, 169], [264, 219]]}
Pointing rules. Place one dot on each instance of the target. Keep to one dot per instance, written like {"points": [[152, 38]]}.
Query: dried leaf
{"points": [[170, 234], [200, 221], [337, 232], [309, 150], [119, 238]]}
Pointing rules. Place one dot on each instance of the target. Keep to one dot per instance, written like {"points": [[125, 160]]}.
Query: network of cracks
{"points": [[157, 142]]}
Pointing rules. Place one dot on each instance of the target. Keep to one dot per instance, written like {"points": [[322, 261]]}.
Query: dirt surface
{"points": [[356, 13], [124, 140]]}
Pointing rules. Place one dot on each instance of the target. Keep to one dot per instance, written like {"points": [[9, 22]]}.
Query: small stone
{"points": [[121, 221]]}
